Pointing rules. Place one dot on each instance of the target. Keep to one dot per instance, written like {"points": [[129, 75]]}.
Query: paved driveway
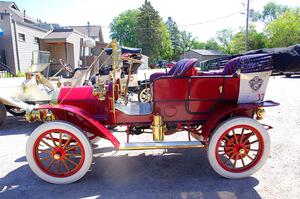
{"points": [[177, 173]]}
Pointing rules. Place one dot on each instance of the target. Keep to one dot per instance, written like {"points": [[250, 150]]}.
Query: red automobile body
{"points": [[198, 100]]}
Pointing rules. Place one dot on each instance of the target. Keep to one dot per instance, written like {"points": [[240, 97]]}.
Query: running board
{"points": [[160, 145]]}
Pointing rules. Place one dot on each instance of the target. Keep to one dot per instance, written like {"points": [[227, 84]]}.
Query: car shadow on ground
{"points": [[176, 173], [15, 125]]}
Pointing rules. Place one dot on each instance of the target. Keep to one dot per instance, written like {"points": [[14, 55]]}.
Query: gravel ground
{"points": [[176, 173]]}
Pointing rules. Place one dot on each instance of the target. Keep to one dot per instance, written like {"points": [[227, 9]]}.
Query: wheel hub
{"points": [[242, 151], [56, 156], [58, 153]]}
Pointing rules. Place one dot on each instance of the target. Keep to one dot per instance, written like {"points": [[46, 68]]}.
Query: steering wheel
{"points": [[67, 68]]}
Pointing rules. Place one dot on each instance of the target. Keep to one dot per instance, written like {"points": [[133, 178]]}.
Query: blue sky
{"points": [[184, 12]]}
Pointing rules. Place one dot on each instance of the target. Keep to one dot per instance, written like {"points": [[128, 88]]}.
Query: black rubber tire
{"points": [[3, 113], [288, 75], [11, 110]]}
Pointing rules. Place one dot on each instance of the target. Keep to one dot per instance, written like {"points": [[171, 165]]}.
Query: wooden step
{"points": [[160, 145]]}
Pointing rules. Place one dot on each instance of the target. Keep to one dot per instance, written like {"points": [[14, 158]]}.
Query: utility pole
{"points": [[88, 29], [247, 26]]}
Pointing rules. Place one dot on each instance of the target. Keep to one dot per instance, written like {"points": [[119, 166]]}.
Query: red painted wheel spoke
{"points": [[68, 142], [46, 144], [51, 137], [249, 144], [58, 167], [46, 158], [242, 160], [74, 147], [69, 154], [242, 135], [60, 139], [229, 158], [50, 164], [253, 150], [71, 161], [228, 140], [234, 135], [235, 160], [65, 165], [249, 157], [45, 151], [247, 136]]}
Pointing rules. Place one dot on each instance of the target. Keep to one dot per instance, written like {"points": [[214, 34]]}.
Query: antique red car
{"points": [[219, 111]]}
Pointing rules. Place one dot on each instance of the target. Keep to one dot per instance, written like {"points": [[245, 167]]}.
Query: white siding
{"points": [[74, 39], [26, 47]]}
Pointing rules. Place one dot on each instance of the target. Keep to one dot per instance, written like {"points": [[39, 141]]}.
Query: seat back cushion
{"points": [[177, 66], [188, 69]]}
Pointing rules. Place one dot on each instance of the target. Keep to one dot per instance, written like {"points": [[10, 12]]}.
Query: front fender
{"points": [[82, 119], [215, 117]]}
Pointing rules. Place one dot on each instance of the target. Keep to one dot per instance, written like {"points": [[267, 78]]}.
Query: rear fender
{"points": [[243, 109], [82, 119]]}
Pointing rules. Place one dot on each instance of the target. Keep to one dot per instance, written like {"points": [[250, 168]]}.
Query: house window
{"points": [[36, 40], [21, 36]]}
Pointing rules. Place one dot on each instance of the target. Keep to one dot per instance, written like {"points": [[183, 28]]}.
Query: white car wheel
{"points": [[59, 152], [238, 147]]}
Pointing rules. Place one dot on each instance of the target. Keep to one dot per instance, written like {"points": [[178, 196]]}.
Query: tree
{"points": [[211, 44], [270, 12], [285, 30], [166, 51], [174, 33], [123, 28], [149, 31], [224, 37], [198, 45], [186, 41], [256, 40]]}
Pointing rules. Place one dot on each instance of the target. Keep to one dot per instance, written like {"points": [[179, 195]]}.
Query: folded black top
{"points": [[284, 59]]}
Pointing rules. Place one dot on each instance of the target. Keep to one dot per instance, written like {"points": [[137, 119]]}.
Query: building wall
{"points": [[74, 39], [26, 47], [192, 54], [7, 41]]}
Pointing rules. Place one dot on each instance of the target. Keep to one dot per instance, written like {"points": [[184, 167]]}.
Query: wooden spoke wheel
{"points": [[144, 95], [58, 152], [238, 147]]}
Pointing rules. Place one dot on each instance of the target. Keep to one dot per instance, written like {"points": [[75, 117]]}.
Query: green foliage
{"points": [[256, 40], [186, 41], [224, 37], [210, 44], [198, 45], [149, 31], [123, 28], [270, 12], [285, 30], [175, 37], [166, 51]]}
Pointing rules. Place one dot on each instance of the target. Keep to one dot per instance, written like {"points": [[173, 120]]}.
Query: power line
{"points": [[199, 23], [211, 20]]}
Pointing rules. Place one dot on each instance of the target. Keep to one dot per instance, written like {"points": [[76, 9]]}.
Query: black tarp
{"points": [[285, 59]]}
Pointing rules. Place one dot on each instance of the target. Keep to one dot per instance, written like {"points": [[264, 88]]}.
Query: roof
{"points": [[94, 31], [208, 52], [17, 15], [60, 35]]}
